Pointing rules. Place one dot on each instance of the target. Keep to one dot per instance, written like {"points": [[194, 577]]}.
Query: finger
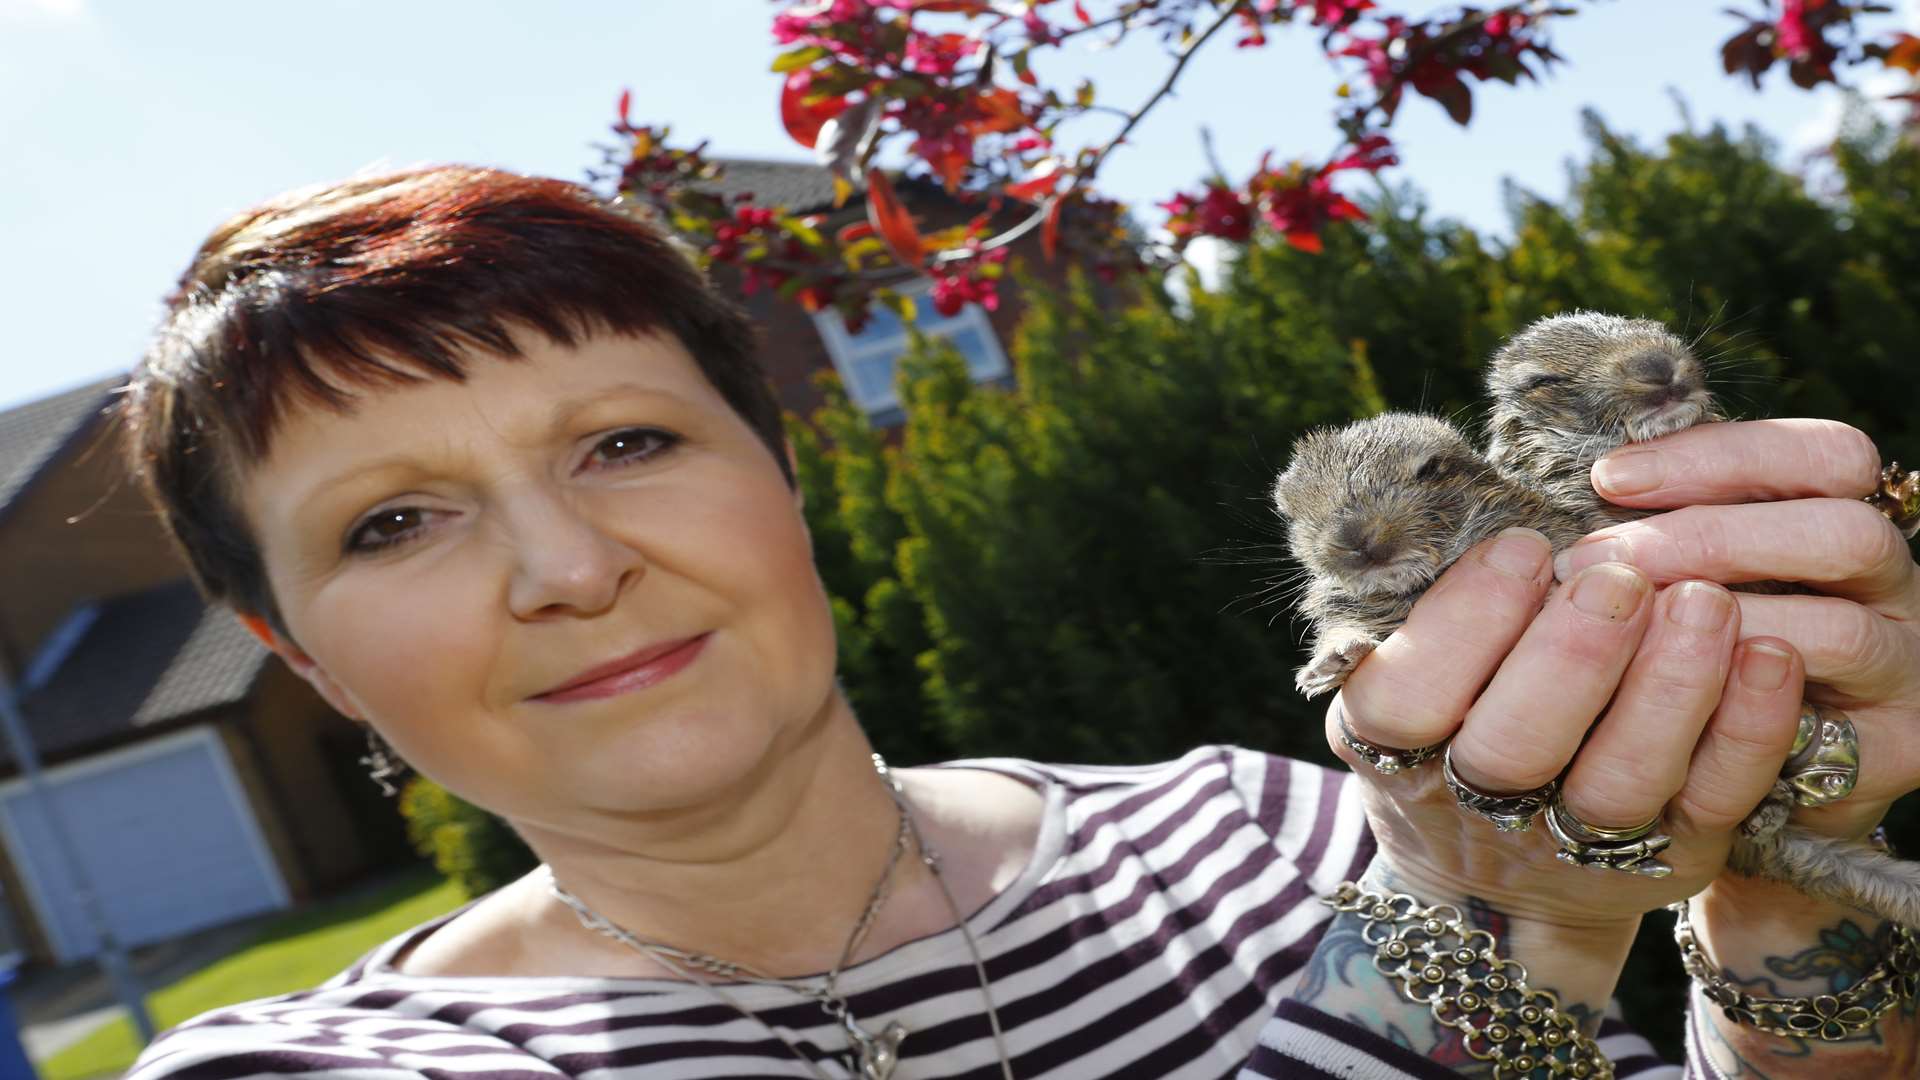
{"points": [[1841, 546], [1751, 461], [1524, 729], [1745, 742], [1414, 688], [1850, 648], [1636, 758]]}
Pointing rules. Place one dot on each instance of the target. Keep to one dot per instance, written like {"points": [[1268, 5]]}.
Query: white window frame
{"points": [[846, 349]]}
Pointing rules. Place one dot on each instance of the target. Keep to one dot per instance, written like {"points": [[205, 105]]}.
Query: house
{"points": [[799, 344], [194, 779], [194, 782]]}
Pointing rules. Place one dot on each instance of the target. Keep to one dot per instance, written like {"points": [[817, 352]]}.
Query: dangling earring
{"points": [[383, 765]]}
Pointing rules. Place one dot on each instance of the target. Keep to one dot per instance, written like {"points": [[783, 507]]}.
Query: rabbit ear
{"points": [[1280, 491]]}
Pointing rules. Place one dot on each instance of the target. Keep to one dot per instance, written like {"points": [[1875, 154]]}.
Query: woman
{"points": [[490, 466]]}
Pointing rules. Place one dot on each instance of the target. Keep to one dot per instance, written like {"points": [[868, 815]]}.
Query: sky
{"points": [[129, 129]]}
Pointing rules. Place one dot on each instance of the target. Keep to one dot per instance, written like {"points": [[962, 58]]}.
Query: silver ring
{"points": [[1509, 813], [1898, 497], [1385, 759], [1630, 850], [1824, 764]]}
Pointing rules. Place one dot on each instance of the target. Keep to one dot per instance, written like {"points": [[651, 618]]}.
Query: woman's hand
{"points": [[1641, 697], [1780, 500], [1801, 481]]}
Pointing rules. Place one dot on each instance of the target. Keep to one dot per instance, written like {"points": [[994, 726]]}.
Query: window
{"points": [[866, 361]]}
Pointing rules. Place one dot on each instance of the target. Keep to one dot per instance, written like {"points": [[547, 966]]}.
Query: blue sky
{"points": [[132, 128]]}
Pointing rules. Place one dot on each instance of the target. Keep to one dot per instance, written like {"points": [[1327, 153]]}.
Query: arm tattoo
{"points": [[1340, 979], [1842, 956]]}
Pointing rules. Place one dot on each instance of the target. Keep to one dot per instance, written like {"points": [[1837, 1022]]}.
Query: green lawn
{"points": [[297, 951]]}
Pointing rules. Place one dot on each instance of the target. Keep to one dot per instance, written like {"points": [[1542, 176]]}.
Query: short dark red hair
{"points": [[380, 281]]}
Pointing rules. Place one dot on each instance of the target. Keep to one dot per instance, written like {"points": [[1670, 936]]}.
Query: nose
{"points": [[1365, 542], [1651, 367], [565, 561]]}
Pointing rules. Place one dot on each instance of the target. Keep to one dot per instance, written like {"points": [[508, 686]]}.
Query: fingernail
{"points": [[1764, 667], [1629, 472], [1517, 552], [1697, 605], [1591, 553], [1609, 590]]}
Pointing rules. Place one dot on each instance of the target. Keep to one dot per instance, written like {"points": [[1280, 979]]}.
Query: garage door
{"points": [[164, 834]]}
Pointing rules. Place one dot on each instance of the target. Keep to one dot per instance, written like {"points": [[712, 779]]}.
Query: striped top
{"points": [[1165, 913]]}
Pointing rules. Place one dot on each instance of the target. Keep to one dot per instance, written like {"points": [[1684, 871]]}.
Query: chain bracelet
{"points": [[1455, 972], [1830, 1017]]}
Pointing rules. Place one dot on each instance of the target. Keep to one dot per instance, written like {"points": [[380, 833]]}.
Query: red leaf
{"points": [[1904, 54], [1454, 97], [1044, 179], [1307, 241], [952, 167], [1339, 208], [891, 220], [1050, 230], [1080, 12], [626, 104], [999, 110], [859, 230], [803, 121]]}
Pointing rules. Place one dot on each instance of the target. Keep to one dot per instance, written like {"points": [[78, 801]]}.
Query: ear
{"points": [[1280, 494], [302, 665]]}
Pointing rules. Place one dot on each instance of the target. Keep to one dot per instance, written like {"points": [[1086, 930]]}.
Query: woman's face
{"points": [[574, 583]]}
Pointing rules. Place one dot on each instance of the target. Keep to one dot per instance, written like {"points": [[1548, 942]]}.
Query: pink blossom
{"points": [[963, 283], [1796, 39], [1336, 12], [938, 54], [1371, 154]]}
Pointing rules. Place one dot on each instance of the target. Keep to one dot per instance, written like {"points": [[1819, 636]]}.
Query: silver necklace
{"points": [[874, 1055]]}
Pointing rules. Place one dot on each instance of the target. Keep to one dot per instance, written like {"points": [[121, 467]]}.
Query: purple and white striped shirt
{"points": [[1164, 915]]}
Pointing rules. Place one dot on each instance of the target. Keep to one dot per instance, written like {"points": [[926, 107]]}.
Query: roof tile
{"points": [[149, 657], [32, 434]]}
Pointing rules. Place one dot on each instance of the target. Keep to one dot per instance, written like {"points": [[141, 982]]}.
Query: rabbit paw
{"points": [[1333, 660]]}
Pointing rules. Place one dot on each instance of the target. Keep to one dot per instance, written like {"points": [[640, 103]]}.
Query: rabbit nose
{"points": [[1651, 367], [1365, 543]]}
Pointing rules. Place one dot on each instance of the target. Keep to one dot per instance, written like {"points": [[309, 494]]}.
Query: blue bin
{"points": [[13, 1054]]}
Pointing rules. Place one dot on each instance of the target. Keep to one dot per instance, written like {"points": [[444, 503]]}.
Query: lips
{"points": [[634, 671]]}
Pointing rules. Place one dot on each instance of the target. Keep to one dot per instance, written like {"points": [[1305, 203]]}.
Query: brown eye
{"points": [[385, 529], [631, 445], [1541, 382]]}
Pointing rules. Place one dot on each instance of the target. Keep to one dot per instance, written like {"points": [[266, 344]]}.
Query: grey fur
{"points": [[1565, 391], [1363, 486]]}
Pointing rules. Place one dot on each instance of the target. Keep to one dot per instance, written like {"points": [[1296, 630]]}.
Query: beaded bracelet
{"points": [[1830, 1017], [1439, 963]]}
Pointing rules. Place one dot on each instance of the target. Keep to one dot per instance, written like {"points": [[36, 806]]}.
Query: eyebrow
{"points": [[562, 414], [564, 411]]}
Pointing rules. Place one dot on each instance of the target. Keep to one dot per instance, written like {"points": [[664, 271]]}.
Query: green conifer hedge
{"points": [[1084, 568]]}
